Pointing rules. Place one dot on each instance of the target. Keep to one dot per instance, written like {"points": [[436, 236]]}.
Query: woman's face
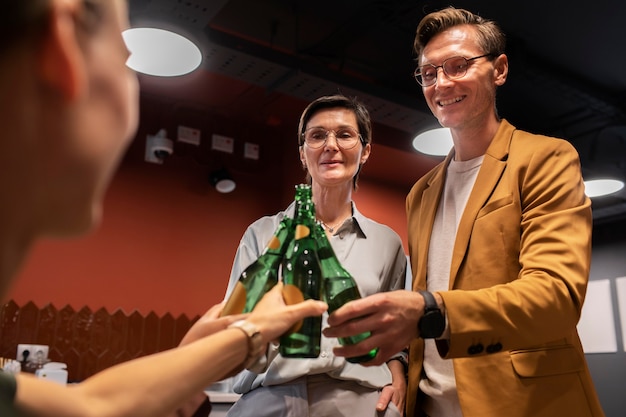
{"points": [[331, 165], [101, 122]]}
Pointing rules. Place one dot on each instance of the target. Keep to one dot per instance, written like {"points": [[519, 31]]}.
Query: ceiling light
{"points": [[597, 188], [436, 142], [160, 52], [222, 181]]}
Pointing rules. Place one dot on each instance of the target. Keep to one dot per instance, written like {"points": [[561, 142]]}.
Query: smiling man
{"points": [[499, 238]]}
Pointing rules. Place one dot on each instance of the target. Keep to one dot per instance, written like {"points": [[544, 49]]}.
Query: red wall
{"points": [[168, 238]]}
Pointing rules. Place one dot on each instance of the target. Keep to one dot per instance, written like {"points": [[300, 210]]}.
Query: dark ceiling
{"points": [[264, 60]]}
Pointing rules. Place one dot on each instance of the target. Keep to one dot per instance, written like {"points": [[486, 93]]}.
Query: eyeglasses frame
{"points": [[303, 134], [418, 70]]}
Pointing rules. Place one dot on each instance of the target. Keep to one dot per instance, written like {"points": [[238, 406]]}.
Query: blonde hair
{"points": [[490, 37]]}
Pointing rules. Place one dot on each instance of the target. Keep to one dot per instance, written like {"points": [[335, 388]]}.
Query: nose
{"points": [[442, 77], [327, 143]]}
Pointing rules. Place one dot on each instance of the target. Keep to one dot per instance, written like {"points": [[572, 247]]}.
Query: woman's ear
{"points": [[367, 149], [61, 63], [302, 157]]}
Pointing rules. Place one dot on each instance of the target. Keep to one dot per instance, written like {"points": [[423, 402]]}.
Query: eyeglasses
{"points": [[454, 67], [346, 137]]}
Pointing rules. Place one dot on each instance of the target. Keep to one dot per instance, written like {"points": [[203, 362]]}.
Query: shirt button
{"points": [[323, 354]]}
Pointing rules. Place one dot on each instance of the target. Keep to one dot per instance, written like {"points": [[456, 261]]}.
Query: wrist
{"points": [[254, 339], [432, 323]]}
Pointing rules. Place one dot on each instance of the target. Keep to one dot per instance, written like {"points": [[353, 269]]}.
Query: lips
{"points": [[331, 162], [444, 103]]}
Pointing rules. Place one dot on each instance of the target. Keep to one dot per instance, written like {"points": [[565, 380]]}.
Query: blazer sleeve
{"points": [[524, 273]]}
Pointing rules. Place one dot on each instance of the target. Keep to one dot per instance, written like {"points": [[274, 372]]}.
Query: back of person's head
{"points": [[363, 120], [21, 19], [489, 35], [24, 20], [64, 79]]}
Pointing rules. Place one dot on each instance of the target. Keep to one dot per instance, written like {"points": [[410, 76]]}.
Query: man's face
{"points": [[467, 100]]}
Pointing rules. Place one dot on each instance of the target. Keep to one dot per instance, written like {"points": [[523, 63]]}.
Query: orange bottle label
{"points": [[274, 243], [302, 231], [237, 301]]}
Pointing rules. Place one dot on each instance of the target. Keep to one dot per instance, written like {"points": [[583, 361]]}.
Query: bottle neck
{"points": [[280, 240]]}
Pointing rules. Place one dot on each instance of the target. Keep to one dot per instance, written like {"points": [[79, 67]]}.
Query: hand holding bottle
{"points": [[259, 277], [273, 317], [338, 288]]}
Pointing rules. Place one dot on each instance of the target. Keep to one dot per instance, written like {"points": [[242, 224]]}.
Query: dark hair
{"points": [[364, 123], [490, 37], [20, 18]]}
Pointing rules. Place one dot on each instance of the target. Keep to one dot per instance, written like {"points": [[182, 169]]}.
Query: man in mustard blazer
{"points": [[500, 243]]}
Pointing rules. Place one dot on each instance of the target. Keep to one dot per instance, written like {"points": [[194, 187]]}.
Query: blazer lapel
{"points": [[427, 212], [488, 177]]}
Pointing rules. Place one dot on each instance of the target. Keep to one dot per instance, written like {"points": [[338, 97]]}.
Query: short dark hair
{"points": [[363, 120], [20, 18], [23, 19]]}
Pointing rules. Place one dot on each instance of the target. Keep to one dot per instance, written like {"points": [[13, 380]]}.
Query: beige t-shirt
{"points": [[439, 386]]}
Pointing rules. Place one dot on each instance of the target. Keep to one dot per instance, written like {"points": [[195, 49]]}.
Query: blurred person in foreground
{"points": [[500, 247], [69, 108]]}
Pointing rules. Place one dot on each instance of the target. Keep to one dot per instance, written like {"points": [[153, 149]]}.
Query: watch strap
{"points": [[429, 300], [255, 341], [432, 323]]}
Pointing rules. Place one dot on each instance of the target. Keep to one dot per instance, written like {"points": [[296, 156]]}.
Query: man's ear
{"points": [[61, 61], [501, 69]]}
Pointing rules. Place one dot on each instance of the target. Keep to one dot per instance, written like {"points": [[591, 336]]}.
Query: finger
{"points": [[370, 323], [272, 299], [215, 311], [385, 350], [308, 308], [384, 399], [350, 311], [206, 326]]}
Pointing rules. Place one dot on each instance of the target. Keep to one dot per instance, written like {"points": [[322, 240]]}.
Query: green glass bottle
{"points": [[262, 274], [301, 278], [338, 287]]}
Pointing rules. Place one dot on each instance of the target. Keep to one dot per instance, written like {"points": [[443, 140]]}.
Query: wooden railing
{"points": [[88, 341]]}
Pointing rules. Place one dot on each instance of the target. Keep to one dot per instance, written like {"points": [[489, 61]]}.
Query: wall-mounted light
{"points": [[436, 142], [160, 52], [222, 181]]}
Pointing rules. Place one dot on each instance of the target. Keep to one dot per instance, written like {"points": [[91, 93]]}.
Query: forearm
{"points": [[152, 386], [398, 374]]}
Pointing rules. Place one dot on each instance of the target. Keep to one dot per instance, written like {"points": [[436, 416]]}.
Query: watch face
{"points": [[432, 324]]}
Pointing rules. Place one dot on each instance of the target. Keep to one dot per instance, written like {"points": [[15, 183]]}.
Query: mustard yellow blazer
{"points": [[518, 279]]}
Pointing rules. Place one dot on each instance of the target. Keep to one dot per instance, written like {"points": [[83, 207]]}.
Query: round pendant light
{"points": [[161, 52]]}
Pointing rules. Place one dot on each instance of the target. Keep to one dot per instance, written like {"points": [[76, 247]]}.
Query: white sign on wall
{"points": [[620, 283], [597, 323]]}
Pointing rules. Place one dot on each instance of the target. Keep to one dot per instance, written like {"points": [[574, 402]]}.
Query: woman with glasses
{"points": [[334, 140], [500, 243]]}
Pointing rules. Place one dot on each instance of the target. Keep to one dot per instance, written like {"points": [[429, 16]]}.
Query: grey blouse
{"points": [[371, 252]]}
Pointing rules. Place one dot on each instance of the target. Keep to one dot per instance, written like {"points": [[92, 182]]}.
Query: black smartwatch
{"points": [[432, 323]]}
